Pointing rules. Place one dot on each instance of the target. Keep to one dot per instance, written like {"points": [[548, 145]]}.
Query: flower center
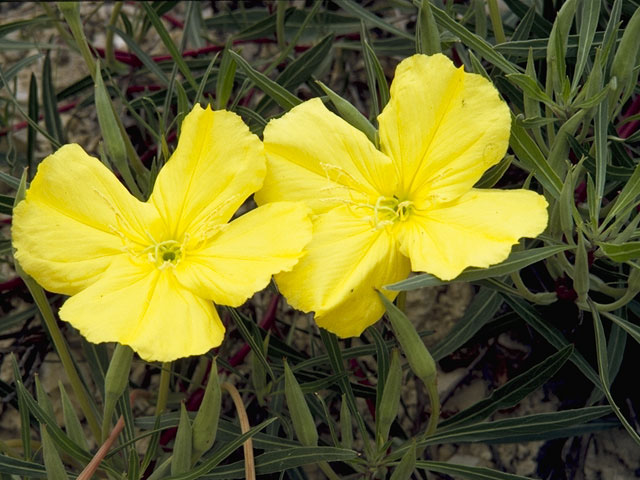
{"points": [[166, 254], [389, 210]]}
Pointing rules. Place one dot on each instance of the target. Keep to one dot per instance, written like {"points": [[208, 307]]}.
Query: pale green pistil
{"points": [[389, 210], [166, 254]]}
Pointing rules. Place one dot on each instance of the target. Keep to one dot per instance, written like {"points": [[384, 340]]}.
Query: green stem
{"points": [[63, 352], [401, 301], [496, 21], [434, 399], [163, 388], [621, 302], [108, 51]]}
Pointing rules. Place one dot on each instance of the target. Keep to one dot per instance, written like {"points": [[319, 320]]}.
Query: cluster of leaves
{"points": [[570, 78]]}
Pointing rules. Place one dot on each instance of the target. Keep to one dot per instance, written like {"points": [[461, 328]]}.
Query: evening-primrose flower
{"points": [[378, 214], [145, 273]]}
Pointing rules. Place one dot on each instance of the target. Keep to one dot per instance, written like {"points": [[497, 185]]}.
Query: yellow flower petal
{"points": [[76, 217], [147, 309], [345, 262], [218, 163], [476, 230], [443, 127], [240, 260], [315, 156]]}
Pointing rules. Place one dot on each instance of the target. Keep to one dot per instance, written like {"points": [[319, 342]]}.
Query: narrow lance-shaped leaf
{"points": [[224, 80], [112, 134], [512, 392], [419, 358], [52, 462], [72, 424], [43, 399], [515, 262], [280, 95], [181, 458], [387, 410], [303, 422], [528, 152], [32, 132], [168, 42], [407, 465], [346, 425], [588, 14], [205, 424], [603, 369]]}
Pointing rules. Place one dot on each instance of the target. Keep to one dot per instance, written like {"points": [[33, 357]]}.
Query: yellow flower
{"points": [[145, 273], [378, 214]]}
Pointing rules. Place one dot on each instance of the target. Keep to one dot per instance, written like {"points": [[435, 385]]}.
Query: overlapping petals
{"points": [[412, 203], [346, 261], [144, 273]]}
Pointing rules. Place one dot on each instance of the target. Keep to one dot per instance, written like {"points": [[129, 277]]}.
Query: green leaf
{"points": [[255, 344], [52, 462], [19, 66], [279, 94], [485, 49], [112, 134], [621, 252], [369, 18], [14, 466], [330, 342], [603, 370], [515, 262], [407, 465], [224, 81], [146, 60], [512, 392], [375, 76], [627, 197], [301, 418], [168, 42], [551, 334], [181, 458], [382, 359], [466, 471], [557, 48], [495, 173], [49, 102], [528, 152], [307, 64], [481, 309], [631, 328], [588, 14], [601, 153], [387, 408], [530, 87], [541, 426], [284, 459], [72, 424]]}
